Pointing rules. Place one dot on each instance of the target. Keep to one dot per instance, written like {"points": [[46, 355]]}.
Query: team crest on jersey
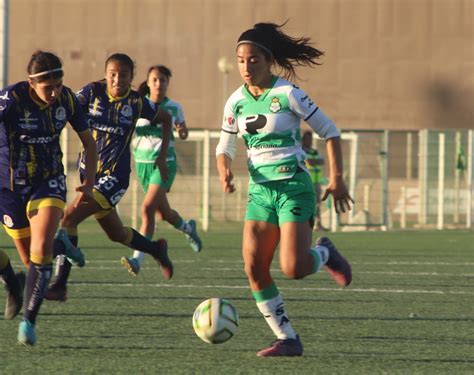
{"points": [[275, 106], [60, 114], [8, 221], [126, 111]]}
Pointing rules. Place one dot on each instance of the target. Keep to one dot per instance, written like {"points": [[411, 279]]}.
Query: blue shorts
{"points": [[109, 189], [15, 207]]}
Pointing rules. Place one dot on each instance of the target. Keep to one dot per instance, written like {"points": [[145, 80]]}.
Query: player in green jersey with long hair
{"points": [[267, 110], [146, 146]]}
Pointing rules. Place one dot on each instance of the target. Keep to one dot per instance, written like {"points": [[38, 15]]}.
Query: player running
{"points": [[32, 182], [267, 110], [146, 147], [112, 110]]}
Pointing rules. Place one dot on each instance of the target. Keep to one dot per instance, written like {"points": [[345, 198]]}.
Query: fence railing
{"points": [[399, 179]]}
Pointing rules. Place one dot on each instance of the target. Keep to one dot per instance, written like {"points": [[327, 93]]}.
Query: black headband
{"points": [[258, 38]]}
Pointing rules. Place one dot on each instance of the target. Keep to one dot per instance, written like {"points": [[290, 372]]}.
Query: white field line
{"points": [[347, 290], [117, 261], [223, 269]]}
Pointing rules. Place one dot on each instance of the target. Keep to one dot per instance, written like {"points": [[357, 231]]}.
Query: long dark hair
{"points": [[143, 89], [286, 51], [43, 66]]}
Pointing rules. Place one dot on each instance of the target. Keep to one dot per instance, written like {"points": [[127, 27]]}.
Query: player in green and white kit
{"points": [[146, 146], [266, 110]]}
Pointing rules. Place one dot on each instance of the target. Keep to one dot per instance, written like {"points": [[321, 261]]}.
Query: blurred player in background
{"points": [[314, 161], [146, 147], [112, 109], [267, 110], [32, 182]]}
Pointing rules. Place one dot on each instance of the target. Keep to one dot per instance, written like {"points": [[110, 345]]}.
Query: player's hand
{"points": [[183, 132], [160, 163], [341, 197], [85, 195], [226, 181]]}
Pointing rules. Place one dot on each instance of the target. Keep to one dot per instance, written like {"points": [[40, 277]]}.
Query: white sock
{"points": [[320, 255], [275, 315], [139, 256]]}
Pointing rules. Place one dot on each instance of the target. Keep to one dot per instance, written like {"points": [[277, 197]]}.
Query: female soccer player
{"points": [[32, 182], [112, 109], [267, 110], [146, 146]]}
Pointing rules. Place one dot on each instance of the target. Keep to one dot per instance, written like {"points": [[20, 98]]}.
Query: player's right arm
{"points": [[225, 150]]}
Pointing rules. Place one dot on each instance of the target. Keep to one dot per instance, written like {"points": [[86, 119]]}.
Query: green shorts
{"points": [[282, 201], [148, 174]]}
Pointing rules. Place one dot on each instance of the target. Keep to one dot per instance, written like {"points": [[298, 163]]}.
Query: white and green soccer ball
{"points": [[215, 320]]}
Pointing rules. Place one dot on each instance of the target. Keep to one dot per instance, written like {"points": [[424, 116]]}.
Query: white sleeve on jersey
{"points": [[304, 107], [228, 139]]}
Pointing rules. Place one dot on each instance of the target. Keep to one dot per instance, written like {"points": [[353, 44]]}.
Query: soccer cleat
{"points": [[283, 348], [193, 238], [15, 297], [56, 293], [26, 333], [131, 264], [73, 254], [337, 266], [162, 258]]}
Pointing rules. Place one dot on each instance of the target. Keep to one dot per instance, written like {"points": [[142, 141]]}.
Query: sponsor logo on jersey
{"points": [[275, 106], [38, 140], [105, 128], [8, 221], [253, 123], [284, 169], [4, 97], [230, 120], [60, 114]]}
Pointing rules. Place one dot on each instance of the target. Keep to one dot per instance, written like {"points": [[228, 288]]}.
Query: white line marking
{"points": [[223, 269], [348, 290]]}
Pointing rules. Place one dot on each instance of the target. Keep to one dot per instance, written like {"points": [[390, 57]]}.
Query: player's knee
{"points": [[117, 236], [147, 211], [293, 270]]}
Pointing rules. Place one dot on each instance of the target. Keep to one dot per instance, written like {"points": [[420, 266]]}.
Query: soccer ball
{"points": [[215, 320]]}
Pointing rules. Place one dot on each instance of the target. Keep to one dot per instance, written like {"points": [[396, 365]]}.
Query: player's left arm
{"points": [[90, 151], [306, 109]]}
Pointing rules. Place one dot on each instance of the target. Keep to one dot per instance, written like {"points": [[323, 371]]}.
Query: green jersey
{"points": [[270, 127], [146, 143]]}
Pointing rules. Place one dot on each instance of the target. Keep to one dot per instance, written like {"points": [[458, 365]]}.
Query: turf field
{"points": [[410, 310]]}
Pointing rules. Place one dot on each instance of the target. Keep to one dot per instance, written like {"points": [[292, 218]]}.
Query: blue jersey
{"points": [[30, 150], [112, 122]]}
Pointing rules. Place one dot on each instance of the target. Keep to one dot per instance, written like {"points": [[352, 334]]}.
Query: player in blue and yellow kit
{"points": [[112, 110], [32, 183]]}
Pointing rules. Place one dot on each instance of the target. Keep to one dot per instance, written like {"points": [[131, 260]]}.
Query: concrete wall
{"points": [[399, 64]]}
